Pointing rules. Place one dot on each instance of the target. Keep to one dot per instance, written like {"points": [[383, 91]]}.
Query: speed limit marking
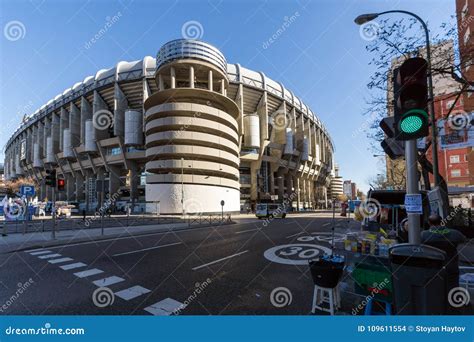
{"points": [[295, 254]]}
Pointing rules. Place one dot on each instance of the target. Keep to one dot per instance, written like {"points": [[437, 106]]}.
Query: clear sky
{"points": [[320, 55]]}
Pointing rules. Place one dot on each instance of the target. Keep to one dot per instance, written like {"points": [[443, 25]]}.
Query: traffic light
{"points": [[392, 147], [61, 184], [411, 99], [50, 179]]}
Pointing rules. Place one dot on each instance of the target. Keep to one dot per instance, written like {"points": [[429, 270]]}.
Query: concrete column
{"points": [[173, 78], [70, 187], [75, 125], [209, 80], [296, 184], [134, 182], [222, 87], [55, 123], [271, 180], [79, 187], [101, 127], [253, 183], [161, 84], [191, 77], [86, 114], [120, 105], [63, 124], [114, 180], [281, 184]]}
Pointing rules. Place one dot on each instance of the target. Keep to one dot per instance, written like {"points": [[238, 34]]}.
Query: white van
{"points": [[270, 210]]}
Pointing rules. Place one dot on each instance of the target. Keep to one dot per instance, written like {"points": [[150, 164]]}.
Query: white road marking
{"points": [[34, 250], [108, 281], [132, 292], [219, 260], [290, 236], [326, 224], [40, 252], [165, 307], [88, 273], [49, 256], [246, 231], [57, 261], [72, 266], [147, 249]]}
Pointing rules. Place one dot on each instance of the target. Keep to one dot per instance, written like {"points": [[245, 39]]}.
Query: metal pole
{"points": [[333, 224], [53, 209], [434, 142], [182, 187], [411, 153]]}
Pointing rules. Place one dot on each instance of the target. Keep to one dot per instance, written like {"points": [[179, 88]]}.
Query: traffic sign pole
{"points": [[414, 234]]}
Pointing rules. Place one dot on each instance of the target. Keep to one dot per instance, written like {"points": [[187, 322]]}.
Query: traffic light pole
{"points": [[411, 158]]}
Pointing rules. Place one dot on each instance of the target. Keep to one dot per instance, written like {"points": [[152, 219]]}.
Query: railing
{"points": [[212, 220]]}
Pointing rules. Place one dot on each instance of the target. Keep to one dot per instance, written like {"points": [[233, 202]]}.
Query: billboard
{"points": [[457, 131]]}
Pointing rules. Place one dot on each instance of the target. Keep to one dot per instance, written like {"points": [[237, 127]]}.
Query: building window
{"points": [[454, 159], [456, 173], [114, 151]]}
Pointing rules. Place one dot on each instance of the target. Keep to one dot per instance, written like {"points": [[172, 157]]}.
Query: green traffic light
{"points": [[411, 124], [413, 121]]}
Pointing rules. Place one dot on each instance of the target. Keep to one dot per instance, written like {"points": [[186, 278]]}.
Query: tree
{"points": [[402, 39], [13, 186]]}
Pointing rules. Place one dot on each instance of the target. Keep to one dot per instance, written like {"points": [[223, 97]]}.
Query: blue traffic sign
{"points": [[27, 190]]}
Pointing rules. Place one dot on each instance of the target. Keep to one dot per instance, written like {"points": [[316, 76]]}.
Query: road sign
{"points": [[222, 203], [27, 190], [413, 203]]}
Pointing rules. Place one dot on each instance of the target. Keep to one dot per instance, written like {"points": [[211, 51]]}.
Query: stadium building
{"points": [[179, 133]]}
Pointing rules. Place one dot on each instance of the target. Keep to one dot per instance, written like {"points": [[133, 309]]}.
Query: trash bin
{"points": [[419, 279], [327, 270]]}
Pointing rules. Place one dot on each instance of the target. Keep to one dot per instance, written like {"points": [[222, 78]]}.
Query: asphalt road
{"points": [[252, 267]]}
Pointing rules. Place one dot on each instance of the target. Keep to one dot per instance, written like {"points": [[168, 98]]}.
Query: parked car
{"points": [[265, 210]]}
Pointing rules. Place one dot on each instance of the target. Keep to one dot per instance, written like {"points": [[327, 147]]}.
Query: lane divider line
{"points": [[147, 249], [49, 256], [107, 281], [40, 252], [219, 260]]}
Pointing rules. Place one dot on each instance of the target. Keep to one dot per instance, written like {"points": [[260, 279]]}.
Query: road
{"points": [[251, 267]]}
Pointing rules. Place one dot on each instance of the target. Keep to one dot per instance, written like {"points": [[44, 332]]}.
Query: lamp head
{"points": [[365, 18]]}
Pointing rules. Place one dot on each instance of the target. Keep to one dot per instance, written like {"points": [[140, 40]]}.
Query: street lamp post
{"points": [[364, 18], [182, 187]]}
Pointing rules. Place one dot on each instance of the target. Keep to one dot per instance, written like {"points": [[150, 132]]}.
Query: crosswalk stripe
{"points": [[165, 307], [132, 292], [88, 273], [57, 261], [72, 266], [49, 256], [108, 281], [40, 252]]}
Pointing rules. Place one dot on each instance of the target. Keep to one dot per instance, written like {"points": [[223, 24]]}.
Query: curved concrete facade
{"points": [[206, 131]]}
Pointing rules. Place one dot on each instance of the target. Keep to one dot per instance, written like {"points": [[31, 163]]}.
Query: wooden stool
{"points": [[323, 295]]}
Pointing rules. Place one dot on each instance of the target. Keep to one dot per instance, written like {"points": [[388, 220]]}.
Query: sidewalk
{"points": [[19, 242]]}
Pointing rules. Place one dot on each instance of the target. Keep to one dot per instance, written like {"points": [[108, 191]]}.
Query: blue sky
{"points": [[321, 56]]}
